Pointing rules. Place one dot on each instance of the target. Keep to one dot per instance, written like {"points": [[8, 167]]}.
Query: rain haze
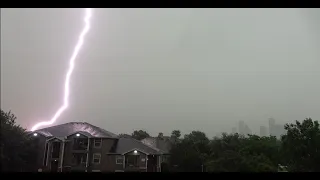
{"points": [[163, 69]]}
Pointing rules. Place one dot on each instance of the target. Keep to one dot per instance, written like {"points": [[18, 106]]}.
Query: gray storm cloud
{"points": [[163, 69]]}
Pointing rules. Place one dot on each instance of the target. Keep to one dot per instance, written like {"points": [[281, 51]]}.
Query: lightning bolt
{"points": [[88, 14]]}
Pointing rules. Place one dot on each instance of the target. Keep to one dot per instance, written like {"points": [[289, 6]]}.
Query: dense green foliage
{"points": [[18, 151], [139, 135], [301, 146], [298, 150]]}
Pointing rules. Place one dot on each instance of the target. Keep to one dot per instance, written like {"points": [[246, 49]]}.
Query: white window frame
{"points": [[119, 157], [94, 143], [96, 154]]}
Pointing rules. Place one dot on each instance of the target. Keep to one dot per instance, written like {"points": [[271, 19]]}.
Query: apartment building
{"points": [[83, 147]]}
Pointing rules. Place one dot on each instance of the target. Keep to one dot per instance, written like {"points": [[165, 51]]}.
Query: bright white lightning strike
{"points": [[69, 73]]}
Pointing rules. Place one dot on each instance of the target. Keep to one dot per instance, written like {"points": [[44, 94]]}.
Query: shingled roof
{"points": [[122, 146], [67, 129], [126, 144], [163, 144]]}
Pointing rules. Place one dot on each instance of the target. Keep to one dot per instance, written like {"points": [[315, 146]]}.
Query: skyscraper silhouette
{"points": [[241, 127], [272, 124]]}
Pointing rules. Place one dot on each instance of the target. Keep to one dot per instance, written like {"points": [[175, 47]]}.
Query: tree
{"points": [[269, 147], [237, 153], [301, 146], [160, 135], [189, 154], [139, 135], [18, 150], [176, 134]]}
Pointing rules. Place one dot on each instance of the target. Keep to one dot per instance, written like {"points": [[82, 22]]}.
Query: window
{"points": [[96, 158], [119, 159], [97, 143]]}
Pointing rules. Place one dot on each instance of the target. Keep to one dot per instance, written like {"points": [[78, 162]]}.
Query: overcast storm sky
{"points": [[163, 69]]}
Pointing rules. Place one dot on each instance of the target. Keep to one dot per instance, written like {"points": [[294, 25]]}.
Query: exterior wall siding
{"points": [[106, 164], [110, 164]]}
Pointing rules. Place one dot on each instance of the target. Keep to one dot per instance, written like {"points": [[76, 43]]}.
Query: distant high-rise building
{"points": [[241, 127], [272, 124], [275, 129], [244, 128], [263, 131]]}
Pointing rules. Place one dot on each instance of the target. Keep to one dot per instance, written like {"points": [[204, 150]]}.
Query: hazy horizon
{"points": [[163, 69]]}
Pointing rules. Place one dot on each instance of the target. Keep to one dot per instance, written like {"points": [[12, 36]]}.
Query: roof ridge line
{"points": [[145, 144], [153, 148], [102, 129], [53, 126]]}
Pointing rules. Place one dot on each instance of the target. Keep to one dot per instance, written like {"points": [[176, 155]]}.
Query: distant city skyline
{"points": [[273, 129]]}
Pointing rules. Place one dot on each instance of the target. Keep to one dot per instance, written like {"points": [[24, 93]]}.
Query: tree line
{"points": [[18, 152], [298, 150]]}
